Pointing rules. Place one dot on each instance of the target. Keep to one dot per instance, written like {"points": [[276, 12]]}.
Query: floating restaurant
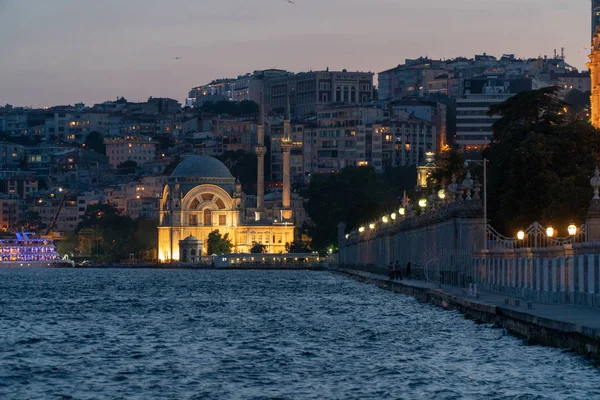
{"points": [[27, 248]]}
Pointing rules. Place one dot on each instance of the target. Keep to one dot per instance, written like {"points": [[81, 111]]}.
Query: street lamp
{"points": [[385, 219], [572, 230], [361, 229], [550, 231], [520, 235], [423, 203], [347, 236], [371, 226], [484, 163], [393, 216], [442, 194], [402, 211]]}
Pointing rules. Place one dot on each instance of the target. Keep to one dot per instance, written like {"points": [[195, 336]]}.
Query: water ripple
{"points": [[114, 334]]}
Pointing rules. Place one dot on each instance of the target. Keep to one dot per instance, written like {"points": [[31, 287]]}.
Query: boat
{"points": [[27, 250]]}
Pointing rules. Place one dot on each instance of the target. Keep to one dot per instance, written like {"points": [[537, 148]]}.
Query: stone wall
{"points": [[448, 229]]}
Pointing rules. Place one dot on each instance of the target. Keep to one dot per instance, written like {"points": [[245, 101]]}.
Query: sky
{"points": [[69, 51]]}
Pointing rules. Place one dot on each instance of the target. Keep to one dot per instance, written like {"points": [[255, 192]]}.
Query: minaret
{"points": [[286, 147], [260, 153], [594, 66]]}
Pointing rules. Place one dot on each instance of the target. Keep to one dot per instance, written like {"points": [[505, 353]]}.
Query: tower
{"points": [[594, 65], [595, 17], [260, 150], [286, 148]]}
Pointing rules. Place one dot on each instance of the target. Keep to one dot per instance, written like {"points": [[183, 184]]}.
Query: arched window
{"points": [[324, 98], [207, 217], [346, 96], [192, 252], [353, 95], [338, 94]]}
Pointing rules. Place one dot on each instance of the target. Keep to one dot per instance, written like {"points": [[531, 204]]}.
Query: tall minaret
{"points": [[286, 148], [261, 150]]}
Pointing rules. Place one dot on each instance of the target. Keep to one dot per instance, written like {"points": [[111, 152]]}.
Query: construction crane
{"points": [[50, 233]]}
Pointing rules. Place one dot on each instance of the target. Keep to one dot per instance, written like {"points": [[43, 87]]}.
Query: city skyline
{"points": [[89, 52]]}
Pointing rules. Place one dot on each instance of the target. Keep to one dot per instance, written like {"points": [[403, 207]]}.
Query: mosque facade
{"points": [[202, 196]]}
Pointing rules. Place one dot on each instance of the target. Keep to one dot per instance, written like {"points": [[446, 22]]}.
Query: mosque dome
{"points": [[201, 167]]}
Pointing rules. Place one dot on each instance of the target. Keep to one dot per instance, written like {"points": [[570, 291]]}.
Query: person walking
{"points": [[398, 270], [408, 270], [390, 271]]}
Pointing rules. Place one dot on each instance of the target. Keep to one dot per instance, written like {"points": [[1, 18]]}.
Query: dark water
{"points": [[150, 334]]}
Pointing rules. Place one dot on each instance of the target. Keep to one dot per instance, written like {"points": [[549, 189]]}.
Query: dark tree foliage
{"points": [[541, 161], [218, 244], [356, 195], [172, 165], [243, 165], [95, 141], [31, 221], [31, 141], [232, 108], [127, 167], [114, 236], [258, 248], [452, 163]]}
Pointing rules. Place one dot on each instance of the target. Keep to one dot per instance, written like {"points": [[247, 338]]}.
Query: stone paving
{"points": [[579, 315]]}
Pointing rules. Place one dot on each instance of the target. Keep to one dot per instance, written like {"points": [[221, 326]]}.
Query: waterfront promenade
{"points": [[560, 325]]}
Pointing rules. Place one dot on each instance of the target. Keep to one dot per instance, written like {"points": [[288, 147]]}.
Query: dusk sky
{"points": [[69, 51]]}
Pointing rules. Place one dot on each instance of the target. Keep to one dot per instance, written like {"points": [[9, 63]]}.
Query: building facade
{"points": [[202, 196], [139, 149], [473, 124]]}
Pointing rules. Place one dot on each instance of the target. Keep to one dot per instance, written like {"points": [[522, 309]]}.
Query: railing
{"points": [[534, 236]]}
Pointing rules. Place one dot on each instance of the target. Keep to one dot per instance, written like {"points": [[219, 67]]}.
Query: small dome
{"points": [[201, 167], [190, 239]]}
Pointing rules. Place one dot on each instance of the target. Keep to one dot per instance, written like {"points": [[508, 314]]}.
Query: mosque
{"points": [[202, 196]]}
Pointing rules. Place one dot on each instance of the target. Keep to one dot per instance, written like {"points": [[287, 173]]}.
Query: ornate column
{"points": [[260, 150]]}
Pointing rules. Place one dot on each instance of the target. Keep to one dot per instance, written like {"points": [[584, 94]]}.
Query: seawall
{"points": [[533, 325]]}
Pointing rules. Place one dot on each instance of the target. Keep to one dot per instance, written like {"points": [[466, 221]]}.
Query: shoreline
{"points": [[533, 325]]}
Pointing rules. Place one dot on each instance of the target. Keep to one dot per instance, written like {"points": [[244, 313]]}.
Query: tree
{"points": [[451, 164], [95, 141], [146, 238], [540, 163], [31, 221], [113, 234], [69, 245], [127, 167], [243, 165], [354, 196], [258, 248], [218, 244]]}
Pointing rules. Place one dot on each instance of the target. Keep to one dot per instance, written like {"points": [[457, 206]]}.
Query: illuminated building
{"points": [[26, 248], [139, 149]]}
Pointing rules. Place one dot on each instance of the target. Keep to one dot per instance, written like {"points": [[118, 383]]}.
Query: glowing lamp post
{"points": [[442, 194], [572, 230], [423, 203], [361, 229], [385, 219], [521, 235], [402, 211], [393, 216], [371, 226], [550, 232]]}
